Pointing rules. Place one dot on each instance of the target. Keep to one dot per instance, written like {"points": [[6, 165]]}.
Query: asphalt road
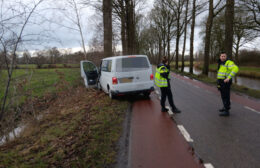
{"points": [[224, 142]]}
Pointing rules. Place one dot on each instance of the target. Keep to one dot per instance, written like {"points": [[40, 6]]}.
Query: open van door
{"points": [[89, 72]]}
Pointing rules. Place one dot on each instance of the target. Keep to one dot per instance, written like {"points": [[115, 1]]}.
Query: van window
{"points": [[88, 67], [106, 65], [131, 64]]}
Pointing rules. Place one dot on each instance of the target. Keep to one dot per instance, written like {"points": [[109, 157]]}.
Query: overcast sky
{"points": [[61, 37]]}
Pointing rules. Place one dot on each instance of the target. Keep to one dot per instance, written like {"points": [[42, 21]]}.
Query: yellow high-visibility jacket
{"points": [[228, 70], [159, 80]]}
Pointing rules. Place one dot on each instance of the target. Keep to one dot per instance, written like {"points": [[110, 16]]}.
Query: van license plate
{"points": [[126, 80]]}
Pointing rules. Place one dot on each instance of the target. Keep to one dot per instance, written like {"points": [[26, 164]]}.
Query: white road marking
{"points": [[157, 92], [252, 109], [186, 77], [170, 111], [208, 165], [185, 133]]}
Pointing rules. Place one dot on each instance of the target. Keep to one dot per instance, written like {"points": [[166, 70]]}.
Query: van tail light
{"points": [[151, 77], [114, 81]]}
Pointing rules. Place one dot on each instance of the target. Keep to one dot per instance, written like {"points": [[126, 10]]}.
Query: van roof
{"points": [[123, 56]]}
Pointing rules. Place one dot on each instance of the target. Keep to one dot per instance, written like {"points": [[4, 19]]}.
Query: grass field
{"points": [[36, 82], [186, 63], [34, 66]]}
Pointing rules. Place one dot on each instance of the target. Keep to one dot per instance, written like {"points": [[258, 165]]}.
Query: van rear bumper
{"points": [[117, 93]]}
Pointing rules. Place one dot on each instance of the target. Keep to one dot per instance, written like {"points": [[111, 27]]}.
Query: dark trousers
{"points": [[166, 92], [225, 93]]}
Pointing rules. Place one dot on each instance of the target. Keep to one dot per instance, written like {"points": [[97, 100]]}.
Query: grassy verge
{"points": [[241, 89], [36, 82], [186, 63], [79, 129], [251, 72]]}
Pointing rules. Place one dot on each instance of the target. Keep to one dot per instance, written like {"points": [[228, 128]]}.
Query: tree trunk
{"points": [[160, 51], [177, 51], [107, 21], [229, 18], [130, 26], [207, 39], [164, 47], [123, 35], [236, 54], [192, 35], [80, 29], [184, 40], [178, 36], [168, 44], [177, 42]]}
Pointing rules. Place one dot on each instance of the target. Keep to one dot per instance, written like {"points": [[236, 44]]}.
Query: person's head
{"points": [[164, 60], [223, 56]]}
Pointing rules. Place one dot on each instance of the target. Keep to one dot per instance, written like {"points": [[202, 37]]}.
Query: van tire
{"points": [[99, 86], [147, 94], [111, 94]]}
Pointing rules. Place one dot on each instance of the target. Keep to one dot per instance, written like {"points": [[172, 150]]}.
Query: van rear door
{"points": [[133, 69], [89, 72]]}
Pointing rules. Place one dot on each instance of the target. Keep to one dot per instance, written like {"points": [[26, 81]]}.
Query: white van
{"points": [[121, 75]]}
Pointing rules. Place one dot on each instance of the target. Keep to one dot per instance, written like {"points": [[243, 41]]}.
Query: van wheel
{"points": [[147, 94], [111, 94]]}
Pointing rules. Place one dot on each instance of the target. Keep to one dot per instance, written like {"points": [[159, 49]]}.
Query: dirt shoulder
{"points": [[80, 128]]}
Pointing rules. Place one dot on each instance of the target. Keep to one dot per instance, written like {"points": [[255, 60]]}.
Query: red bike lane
{"points": [[156, 141]]}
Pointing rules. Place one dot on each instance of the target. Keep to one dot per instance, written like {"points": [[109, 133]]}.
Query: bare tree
{"points": [[177, 8], [192, 35], [159, 19], [12, 43], [185, 31], [253, 8], [71, 11], [242, 33], [119, 8], [213, 12], [54, 55]]}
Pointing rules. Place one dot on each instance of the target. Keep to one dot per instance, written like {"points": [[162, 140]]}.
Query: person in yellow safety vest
{"points": [[162, 80], [226, 71]]}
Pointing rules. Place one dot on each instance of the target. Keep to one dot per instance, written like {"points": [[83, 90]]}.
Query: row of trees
{"points": [[227, 26], [54, 56]]}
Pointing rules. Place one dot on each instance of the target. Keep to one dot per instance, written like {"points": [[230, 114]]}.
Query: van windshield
{"points": [[131, 64]]}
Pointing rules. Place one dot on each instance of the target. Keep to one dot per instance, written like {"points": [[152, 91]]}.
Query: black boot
{"points": [[164, 109], [222, 109], [224, 113], [175, 110]]}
